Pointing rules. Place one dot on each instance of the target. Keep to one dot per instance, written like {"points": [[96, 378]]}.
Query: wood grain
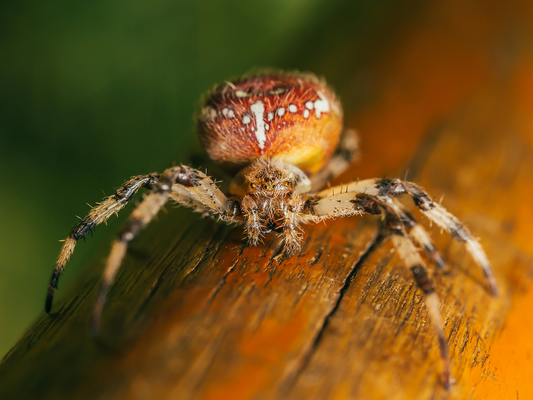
{"points": [[195, 314]]}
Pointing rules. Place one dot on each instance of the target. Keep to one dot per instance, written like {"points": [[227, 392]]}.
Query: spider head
{"points": [[269, 181]]}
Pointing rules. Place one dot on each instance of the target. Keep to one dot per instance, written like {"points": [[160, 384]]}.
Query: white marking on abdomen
{"points": [[321, 104], [209, 113], [228, 113], [258, 109]]}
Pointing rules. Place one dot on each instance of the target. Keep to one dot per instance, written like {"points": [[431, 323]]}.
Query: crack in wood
{"points": [[292, 376], [206, 252], [223, 281]]}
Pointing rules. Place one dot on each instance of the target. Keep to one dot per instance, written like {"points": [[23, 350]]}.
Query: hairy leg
{"points": [[417, 233], [345, 204], [101, 213], [141, 216], [292, 233], [254, 226], [185, 185], [411, 257], [388, 188]]}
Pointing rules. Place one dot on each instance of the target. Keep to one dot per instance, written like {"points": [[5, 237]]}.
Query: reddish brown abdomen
{"points": [[293, 117]]}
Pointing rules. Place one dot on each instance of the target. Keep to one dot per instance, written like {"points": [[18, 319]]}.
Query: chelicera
{"points": [[284, 133]]}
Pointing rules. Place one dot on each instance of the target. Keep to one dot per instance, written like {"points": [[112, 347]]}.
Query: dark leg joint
{"points": [[50, 295], [394, 225], [424, 203], [309, 206], [390, 187], [233, 208], [152, 181], [423, 281], [420, 198], [408, 219], [348, 155], [367, 204], [83, 228], [131, 230], [126, 192], [185, 176], [459, 233]]}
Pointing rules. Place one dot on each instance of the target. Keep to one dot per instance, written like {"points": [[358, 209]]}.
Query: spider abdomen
{"points": [[292, 117]]}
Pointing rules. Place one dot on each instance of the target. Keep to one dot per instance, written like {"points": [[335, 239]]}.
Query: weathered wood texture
{"points": [[195, 314]]}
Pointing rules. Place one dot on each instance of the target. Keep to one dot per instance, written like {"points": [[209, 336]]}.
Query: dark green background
{"points": [[92, 93]]}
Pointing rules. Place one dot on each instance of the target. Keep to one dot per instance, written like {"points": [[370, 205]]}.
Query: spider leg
{"points": [[445, 220], [417, 233], [409, 253], [347, 152], [387, 188], [253, 228], [187, 186], [346, 204], [338, 205], [140, 217], [202, 194], [183, 184], [101, 213], [292, 233]]}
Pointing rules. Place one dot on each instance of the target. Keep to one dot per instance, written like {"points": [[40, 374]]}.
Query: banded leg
{"points": [[387, 188], [254, 227], [345, 204], [140, 217], [411, 258], [346, 153], [187, 186], [292, 233], [445, 220], [197, 190], [418, 234], [101, 213]]}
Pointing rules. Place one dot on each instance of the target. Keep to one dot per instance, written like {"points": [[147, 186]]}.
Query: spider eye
{"points": [[273, 186], [278, 90], [252, 185], [286, 183], [265, 186]]}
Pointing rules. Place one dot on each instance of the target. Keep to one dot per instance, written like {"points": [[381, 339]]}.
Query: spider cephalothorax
{"points": [[272, 201], [274, 178], [283, 131]]}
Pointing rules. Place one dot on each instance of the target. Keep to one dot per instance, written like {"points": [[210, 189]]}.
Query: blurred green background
{"points": [[95, 92]]}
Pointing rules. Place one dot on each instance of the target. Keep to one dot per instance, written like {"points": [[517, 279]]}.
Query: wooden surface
{"points": [[195, 314]]}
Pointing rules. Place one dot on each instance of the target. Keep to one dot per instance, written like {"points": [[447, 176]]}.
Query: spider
{"points": [[284, 133]]}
